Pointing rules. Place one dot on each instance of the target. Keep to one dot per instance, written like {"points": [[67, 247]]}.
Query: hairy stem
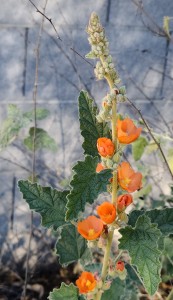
{"points": [[114, 187]]}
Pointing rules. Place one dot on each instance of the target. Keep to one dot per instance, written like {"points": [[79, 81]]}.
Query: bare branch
{"points": [[50, 20]]}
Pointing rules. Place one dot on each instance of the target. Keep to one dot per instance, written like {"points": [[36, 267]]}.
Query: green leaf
{"points": [[71, 246], [90, 128], [90, 55], [97, 267], [66, 292], [116, 290], [151, 147], [138, 147], [11, 126], [168, 247], [50, 203], [163, 218], [41, 113], [42, 140], [141, 243], [86, 185]]}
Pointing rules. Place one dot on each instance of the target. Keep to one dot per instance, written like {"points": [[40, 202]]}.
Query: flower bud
{"points": [[106, 147]]}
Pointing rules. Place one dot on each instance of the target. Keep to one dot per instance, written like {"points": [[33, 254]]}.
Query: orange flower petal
{"points": [[90, 228], [86, 282], [124, 201], [128, 179], [119, 266], [106, 212], [127, 132], [105, 147], [99, 168]]}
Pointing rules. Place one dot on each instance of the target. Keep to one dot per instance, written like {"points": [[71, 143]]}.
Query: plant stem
{"points": [[114, 186], [170, 296]]}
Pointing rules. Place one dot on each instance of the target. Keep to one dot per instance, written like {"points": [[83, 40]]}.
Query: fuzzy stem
{"points": [[114, 186]]}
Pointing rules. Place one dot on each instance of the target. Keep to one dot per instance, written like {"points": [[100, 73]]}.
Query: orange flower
{"points": [[90, 228], [105, 147], [127, 132], [124, 201], [128, 179], [99, 168], [86, 282], [119, 266], [106, 212]]}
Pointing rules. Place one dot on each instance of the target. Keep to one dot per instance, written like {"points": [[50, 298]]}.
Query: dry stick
{"points": [[160, 31], [59, 38], [34, 145], [148, 98], [152, 135]]}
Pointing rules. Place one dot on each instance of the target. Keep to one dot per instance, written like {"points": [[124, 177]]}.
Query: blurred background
{"points": [[142, 49]]}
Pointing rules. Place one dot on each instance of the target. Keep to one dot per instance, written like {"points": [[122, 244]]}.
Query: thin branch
{"points": [[157, 30], [34, 142], [152, 135], [148, 98], [50, 20]]}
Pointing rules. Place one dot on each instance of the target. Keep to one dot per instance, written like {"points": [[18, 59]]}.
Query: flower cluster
{"points": [[107, 68], [97, 38]]}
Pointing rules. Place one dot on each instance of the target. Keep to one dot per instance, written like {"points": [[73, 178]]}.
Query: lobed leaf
{"points": [[141, 243], [41, 113], [86, 185], [48, 202], [42, 140], [90, 128], [116, 290], [72, 246], [65, 292], [163, 218]]}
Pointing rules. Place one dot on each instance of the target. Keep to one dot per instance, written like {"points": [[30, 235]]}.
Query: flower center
{"points": [[88, 283], [126, 181], [91, 232]]}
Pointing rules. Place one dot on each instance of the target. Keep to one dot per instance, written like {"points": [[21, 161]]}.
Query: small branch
{"points": [[50, 20], [34, 143], [152, 135]]}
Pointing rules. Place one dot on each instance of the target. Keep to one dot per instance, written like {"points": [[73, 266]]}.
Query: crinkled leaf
{"points": [[71, 246], [141, 243], [65, 292], [90, 128], [86, 185], [41, 113], [42, 140], [116, 290], [168, 247], [97, 267], [163, 218], [138, 147], [48, 202]]}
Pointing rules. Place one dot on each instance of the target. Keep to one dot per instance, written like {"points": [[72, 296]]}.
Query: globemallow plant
{"points": [[129, 243]]}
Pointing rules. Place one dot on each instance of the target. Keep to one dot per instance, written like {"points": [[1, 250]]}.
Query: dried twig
{"points": [[34, 142], [50, 20], [154, 28], [152, 135]]}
